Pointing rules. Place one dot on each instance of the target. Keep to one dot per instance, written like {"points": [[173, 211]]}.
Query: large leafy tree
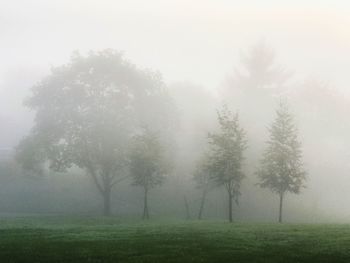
{"points": [[86, 112], [227, 148], [148, 165], [281, 168]]}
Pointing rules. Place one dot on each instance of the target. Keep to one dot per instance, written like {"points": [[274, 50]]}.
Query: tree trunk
{"points": [[104, 186], [107, 202], [280, 208], [145, 205], [188, 216], [201, 208], [230, 207]]}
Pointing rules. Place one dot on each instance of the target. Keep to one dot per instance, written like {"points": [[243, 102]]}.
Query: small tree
{"points": [[147, 164], [281, 168], [227, 148], [202, 178]]}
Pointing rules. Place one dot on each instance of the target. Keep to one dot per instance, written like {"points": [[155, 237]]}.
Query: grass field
{"points": [[110, 240]]}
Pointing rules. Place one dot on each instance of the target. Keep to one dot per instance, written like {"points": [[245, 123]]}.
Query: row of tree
{"points": [[113, 120], [281, 168]]}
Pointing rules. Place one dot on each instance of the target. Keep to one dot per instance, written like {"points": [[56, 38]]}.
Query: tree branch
{"points": [[119, 180], [94, 177]]}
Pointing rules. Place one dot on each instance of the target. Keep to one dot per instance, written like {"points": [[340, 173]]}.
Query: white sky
{"points": [[197, 40]]}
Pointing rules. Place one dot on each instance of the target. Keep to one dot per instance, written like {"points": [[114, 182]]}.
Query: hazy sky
{"points": [[197, 40]]}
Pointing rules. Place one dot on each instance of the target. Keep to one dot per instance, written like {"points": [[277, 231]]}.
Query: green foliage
{"points": [[85, 113], [281, 166], [30, 155], [86, 109], [148, 165], [227, 147]]}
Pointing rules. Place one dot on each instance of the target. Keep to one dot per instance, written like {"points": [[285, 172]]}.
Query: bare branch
{"points": [[119, 180]]}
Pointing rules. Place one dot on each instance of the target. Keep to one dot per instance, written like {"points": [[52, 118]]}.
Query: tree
{"points": [[203, 180], [227, 147], [281, 168], [253, 87], [86, 112], [259, 75], [148, 166]]}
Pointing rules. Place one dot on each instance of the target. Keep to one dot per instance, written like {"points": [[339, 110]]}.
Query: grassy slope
{"points": [[108, 240]]}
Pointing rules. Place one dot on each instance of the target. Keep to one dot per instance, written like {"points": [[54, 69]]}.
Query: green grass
{"points": [[111, 240]]}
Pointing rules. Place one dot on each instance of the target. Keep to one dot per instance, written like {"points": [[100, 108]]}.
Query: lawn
{"points": [[54, 239]]}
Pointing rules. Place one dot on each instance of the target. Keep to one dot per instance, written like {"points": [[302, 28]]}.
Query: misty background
{"points": [[202, 49]]}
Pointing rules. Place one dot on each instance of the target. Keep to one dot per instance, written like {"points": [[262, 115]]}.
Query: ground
{"points": [[56, 239]]}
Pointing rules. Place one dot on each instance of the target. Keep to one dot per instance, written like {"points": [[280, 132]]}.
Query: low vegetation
{"points": [[52, 239]]}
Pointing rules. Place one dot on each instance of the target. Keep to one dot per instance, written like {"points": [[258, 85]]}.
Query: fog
{"points": [[193, 57]]}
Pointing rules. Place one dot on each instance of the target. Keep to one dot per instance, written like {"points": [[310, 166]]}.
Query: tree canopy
{"points": [[227, 147], [281, 167], [86, 112]]}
